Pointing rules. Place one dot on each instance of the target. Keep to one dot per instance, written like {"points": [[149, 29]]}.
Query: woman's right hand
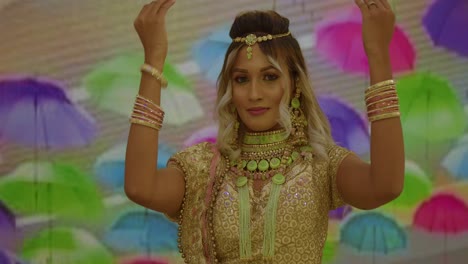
{"points": [[151, 28]]}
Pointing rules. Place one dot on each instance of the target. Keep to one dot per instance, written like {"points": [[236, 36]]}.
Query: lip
{"points": [[257, 110]]}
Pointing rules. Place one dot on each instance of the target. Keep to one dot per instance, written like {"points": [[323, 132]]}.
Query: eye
{"points": [[240, 79], [270, 77]]}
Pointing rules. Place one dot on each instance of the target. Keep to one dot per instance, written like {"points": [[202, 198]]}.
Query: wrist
{"points": [[155, 61]]}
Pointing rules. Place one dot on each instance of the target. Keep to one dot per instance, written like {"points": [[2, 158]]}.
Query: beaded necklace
{"points": [[264, 155]]}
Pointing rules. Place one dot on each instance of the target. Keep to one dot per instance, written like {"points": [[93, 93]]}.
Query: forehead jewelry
{"points": [[251, 39]]}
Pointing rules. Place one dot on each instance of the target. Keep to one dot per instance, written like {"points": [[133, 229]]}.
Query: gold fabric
{"points": [[302, 220]]}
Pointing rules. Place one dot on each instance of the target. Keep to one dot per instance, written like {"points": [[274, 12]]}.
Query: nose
{"points": [[255, 91]]}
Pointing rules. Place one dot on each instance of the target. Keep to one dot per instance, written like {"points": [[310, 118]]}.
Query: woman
{"points": [[263, 192]]}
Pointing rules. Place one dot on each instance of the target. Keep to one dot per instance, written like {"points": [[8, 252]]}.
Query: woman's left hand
{"points": [[378, 24]]}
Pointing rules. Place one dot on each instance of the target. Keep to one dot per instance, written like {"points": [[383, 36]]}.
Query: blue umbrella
{"points": [[139, 231], [110, 166], [37, 113], [456, 161], [446, 22], [8, 231], [372, 232], [209, 52], [349, 129]]}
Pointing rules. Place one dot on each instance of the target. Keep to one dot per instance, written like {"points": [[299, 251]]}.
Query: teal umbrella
{"points": [[60, 189], [114, 84], [66, 245], [373, 233]]}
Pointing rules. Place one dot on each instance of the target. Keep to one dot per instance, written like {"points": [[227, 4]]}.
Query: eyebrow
{"points": [[261, 70]]}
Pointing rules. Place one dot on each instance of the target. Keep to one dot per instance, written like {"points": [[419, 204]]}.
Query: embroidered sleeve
{"points": [[336, 155]]}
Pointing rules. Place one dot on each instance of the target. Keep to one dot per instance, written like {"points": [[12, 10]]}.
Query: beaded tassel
{"points": [[245, 243], [270, 217]]}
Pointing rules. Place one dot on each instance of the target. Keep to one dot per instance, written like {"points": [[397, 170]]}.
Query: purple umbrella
{"points": [[446, 22], [8, 232], [349, 129], [37, 113], [340, 213], [8, 258]]}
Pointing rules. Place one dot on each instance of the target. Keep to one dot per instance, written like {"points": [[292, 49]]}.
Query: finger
{"points": [[372, 4], [386, 4], [363, 6], [165, 7], [155, 5], [144, 10]]}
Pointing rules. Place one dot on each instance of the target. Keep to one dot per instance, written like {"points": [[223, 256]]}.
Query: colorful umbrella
{"points": [[417, 187], [329, 251], [139, 231], [443, 214], [37, 113], [66, 245], [145, 260], [339, 39], [60, 189], [432, 116], [115, 83], [110, 166], [373, 232], [209, 52], [446, 22], [8, 231], [205, 134], [340, 213], [8, 258], [349, 129], [456, 161]]}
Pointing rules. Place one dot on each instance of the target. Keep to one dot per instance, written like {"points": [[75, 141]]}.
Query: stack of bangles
{"points": [[147, 113], [382, 101]]}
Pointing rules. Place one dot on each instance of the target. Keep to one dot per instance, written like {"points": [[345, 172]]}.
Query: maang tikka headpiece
{"points": [[251, 39]]}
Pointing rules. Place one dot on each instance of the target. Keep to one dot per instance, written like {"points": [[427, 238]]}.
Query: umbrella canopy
{"points": [[66, 245], [349, 129], [340, 213], [443, 214], [114, 84], [446, 23], [139, 231], [373, 232], [8, 231], [37, 113], [205, 134], [430, 107], [329, 251], [456, 161], [8, 258], [417, 187], [209, 52], [110, 166], [59, 188], [339, 39], [145, 260]]}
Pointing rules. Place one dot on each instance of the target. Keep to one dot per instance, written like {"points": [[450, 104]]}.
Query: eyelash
{"points": [[271, 77]]}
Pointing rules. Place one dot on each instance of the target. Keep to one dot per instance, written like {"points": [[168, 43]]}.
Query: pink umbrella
{"points": [[205, 134], [442, 214], [145, 260], [339, 39]]}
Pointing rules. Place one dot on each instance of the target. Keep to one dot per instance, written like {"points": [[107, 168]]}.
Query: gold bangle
{"points": [[384, 116], [373, 111], [382, 89], [385, 99], [155, 73], [381, 84], [144, 123]]}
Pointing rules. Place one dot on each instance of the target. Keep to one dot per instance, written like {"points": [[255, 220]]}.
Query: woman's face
{"points": [[257, 90]]}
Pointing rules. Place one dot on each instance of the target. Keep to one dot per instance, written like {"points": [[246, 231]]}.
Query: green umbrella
{"points": [[432, 116], [417, 187], [115, 83], [61, 189], [66, 245], [329, 251]]}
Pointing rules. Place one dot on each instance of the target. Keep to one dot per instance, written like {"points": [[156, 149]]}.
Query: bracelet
{"points": [[155, 73], [144, 123], [384, 116], [380, 84]]}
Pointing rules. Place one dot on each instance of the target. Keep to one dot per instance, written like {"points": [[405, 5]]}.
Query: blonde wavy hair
{"points": [[286, 50]]}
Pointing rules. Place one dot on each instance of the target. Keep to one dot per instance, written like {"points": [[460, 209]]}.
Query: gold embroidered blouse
{"points": [[302, 218]]}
